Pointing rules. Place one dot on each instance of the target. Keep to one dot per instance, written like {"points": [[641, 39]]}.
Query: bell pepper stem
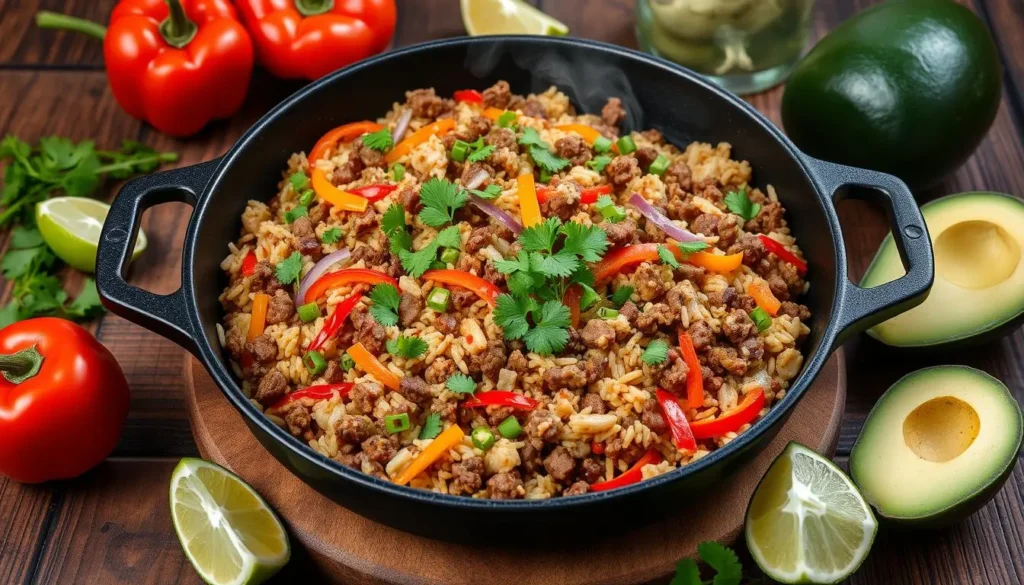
{"points": [[313, 7], [20, 366], [47, 19], [177, 29]]}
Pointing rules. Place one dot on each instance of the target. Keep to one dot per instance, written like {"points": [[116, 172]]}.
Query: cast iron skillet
{"points": [[657, 94]]}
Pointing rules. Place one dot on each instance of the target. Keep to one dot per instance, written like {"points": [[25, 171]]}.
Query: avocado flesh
{"points": [[978, 240], [937, 446]]}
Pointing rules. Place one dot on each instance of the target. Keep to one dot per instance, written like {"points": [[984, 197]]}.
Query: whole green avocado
{"points": [[907, 87]]}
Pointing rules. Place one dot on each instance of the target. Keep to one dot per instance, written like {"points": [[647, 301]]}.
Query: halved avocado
{"points": [[937, 446], [978, 293]]}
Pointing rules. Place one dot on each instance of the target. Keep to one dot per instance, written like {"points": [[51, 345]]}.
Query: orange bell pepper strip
{"points": [[335, 196], [695, 378], [745, 412], [571, 299], [449, 438], [763, 296], [368, 363], [346, 276], [618, 260], [258, 317], [439, 128], [484, 289], [587, 133], [529, 206], [495, 113], [713, 262], [633, 475], [343, 133]]}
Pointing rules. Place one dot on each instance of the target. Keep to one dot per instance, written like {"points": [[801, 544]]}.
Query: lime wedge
{"points": [[71, 226], [508, 17], [807, 523], [227, 531]]}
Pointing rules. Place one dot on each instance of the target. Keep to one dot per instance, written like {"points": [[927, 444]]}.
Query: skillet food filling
{"points": [[498, 297]]}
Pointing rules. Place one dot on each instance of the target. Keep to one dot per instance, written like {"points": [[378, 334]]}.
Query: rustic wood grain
{"points": [[23, 45], [25, 516]]}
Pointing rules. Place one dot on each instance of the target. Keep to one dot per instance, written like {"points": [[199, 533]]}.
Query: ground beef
{"points": [[366, 221], [365, 395], [334, 373], [467, 476], [534, 109], [593, 365], [469, 263], [673, 377], [347, 172], [490, 361], [505, 486], [701, 334], [614, 449], [501, 138], [463, 299], [478, 239], [446, 324], [493, 275], [795, 310], [370, 157], [621, 233], [577, 489], [678, 173], [722, 298], [263, 278], [752, 248], [613, 113], [598, 334], [309, 246], [472, 169], [622, 170], [409, 199], [281, 308], [706, 224], [371, 334], [543, 425], [561, 377], [778, 286], [478, 126], [591, 471], [572, 147], [355, 428], [712, 383], [752, 348], [380, 448], [498, 414], [263, 348], [416, 390], [649, 282], [409, 309], [445, 409], [645, 156], [630, 312], [559, 206], [695, 274], [272, 387], [517, 362], [439, 370], [302, 227], [769, 219], [497, 96], [726, 227], [726, 359], [657, 315], [369, 255], [298, 420], [425, 103], [594, 402], [738, 326], [653, 418], [530, 457], [708, 189], [559, 464]]}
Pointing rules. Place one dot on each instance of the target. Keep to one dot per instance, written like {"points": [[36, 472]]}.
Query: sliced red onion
{"points": [[318, 270], [493, 211], [401, 126], [657, 218], [477, 179]]}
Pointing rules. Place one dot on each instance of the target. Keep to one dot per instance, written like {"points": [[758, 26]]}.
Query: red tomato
{"points": [[63, 400]]}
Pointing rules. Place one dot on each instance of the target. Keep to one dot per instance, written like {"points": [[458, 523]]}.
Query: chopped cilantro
{"points": [[511, 313], [656, 352], [529, 137], [541, 237], [407, 347], [287, 270], [332, 236], [588, 242], [431, 426], [392, 223], [481, 153], [379, 140], [667, 257], [598, 163], [741, 205], [299, 181], [491, 192], [550, 334], [621, 295], [461, 384], [440, 199], [385, 298], [692, 247], [416, 263], [547, 160]]}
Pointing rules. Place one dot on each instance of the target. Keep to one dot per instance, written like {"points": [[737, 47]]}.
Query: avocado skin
{"points": [[908, 87]]}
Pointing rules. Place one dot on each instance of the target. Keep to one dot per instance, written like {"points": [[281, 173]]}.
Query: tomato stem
{"points": [[177, 29], [47, 19], [20, 366], [313, 7]]}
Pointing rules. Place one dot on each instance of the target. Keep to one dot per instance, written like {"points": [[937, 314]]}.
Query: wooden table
{"points": [[113, 525]]}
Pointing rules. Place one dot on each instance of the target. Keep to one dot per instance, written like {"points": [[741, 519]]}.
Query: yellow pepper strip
{"points": [[714, 262], [335, 196], [366, 362], [258, 319], [440, 128], [495, 113], [451, 437], [529, 207], [586, 132], [763, 296]]}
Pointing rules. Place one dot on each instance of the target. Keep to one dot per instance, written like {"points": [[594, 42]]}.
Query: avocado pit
{"points": [[941, 429]]}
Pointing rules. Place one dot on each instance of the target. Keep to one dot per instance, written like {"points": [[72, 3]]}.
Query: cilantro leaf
{"points": [[407, 347], [589, 242], [738, 203], [392, 223], [621, 295], [529, 138], [491, 192], [562, 263], [287, 270], [448, 237], [481, 153], [461, 384], [87, 304], [506, 119], [687, 573], [723, 560], [598, 163], [548, 160], [379, 140], [551, 331], [431, 426], [416, 263], [440, 199], [385, 298], [23, 237], [331, 236], [541, 237], [655, 353], [667, 257], [692, 247], [511, 314]]}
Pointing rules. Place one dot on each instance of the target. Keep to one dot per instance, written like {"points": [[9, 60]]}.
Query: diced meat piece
{"points": [[263, 278], [409, 198], [517, 362], [363, 463], [559, 206], [467, 476], [440, 370], [621, 233], [615, 449], [738, 326], [591, 471], [652, 417], [380, 448], [447, 324], [502, 138], [722, 298], [572, 147], [478, 126], [530, 457], [622, 170], [334, 373], [409, 309], [478, 239], [649, 282], [593, 364], [309, 246], [471, 171], [497, 414], [468, 263], [347, 172], [645, 156], [365, 395], [272, 387], [534, 109], [598, 334], [505, 486], [371, 334], [302, 227], [769, 219], [562, 377], [710, 191], [493, 275], [706, 224], [575, 343], [657, 315], [559, 464], [297, 418], [498, 95], [726, 359], [653, 135], [678, 173], [701, 334], [370, 157], [490, 361], [712, 383], [416, 390], [613, 113], [370, 255], [445, 408], [543, 425], [425, 103], [463, 299], [752, 348], [594, 403], [673, 377], [778, 286], [280, 309], [577, 489], [795, 310], [366, 221], [355, 428], [630, 312], [676, 298], [263, 348], [695, 274], [743, 302], [752, 248]]}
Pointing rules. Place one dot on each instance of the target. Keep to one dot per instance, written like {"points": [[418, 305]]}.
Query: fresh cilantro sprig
{"points": [[542, 326], [392, 223], [380, 140], [461, 384], [490, 192], [406, 346], [655, 353], [621, 295], [739, 203], [385, 298], [480, 154], [540, 152], [692, 247], [416, 263], [332, 235], [440, 199], [288, 270], [598, 163], [667, 257], [727, 567], [431, 426]]}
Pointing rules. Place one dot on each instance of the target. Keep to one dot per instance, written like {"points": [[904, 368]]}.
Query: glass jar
{"points": [[745, 46]]}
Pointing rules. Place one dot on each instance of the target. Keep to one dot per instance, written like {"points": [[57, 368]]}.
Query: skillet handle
{"points": [[164, 314], [862, 308]]}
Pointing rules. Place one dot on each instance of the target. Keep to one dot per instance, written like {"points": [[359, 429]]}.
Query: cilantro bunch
{"points": [[727, 567]]}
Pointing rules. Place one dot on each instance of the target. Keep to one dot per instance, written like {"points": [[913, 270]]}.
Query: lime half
{"points": [[71, 226], [807, 523], [228, 532], [508, 17]]}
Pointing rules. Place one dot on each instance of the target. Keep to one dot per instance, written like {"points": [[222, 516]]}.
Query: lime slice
{"points": [[71, 226], [508, 17], [807, 523], [228, 532]]}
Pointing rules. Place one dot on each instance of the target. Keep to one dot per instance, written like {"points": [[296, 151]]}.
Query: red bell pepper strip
{"points": [[343, 133], [501, 398], [633, 475], [694, 378], [588, 196], [783, 254], [469, 95], [335, 321], [249, 264], [321, 392], [745, 412], [373, 192], [571, 299], [311, 38], [682, 436], [346, 276], [485, 290]]}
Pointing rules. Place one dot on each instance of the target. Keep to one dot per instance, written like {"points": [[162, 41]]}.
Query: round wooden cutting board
{"points": [[351, 549]]}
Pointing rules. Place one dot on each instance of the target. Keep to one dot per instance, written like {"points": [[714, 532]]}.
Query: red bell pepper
{"points": [[501, 398], [783, 254], [311, 38], [571, 299], [321, 392], [469, 95], [335, 321], [633, 475], [343, 133], [249, 264], [346, 276], [373, 192], [682, 436], [695, 377], [731, 421], [177, 64], [484, 289]]}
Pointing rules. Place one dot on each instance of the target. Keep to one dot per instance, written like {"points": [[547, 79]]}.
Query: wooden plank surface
{"points": [[112, 525]]}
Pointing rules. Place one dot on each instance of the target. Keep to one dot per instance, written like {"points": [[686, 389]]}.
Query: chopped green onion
{"points": [[607, 313], [545, 175], [510, 428], [450, 255], [588, 298], [309, 312], [602, 145], [398, 172], [460, 150], [761, 318], [660, 165], [315, 363], [438, 299], [295, 213], [306, 198], [299, 180], [346, 362], [626, 144], [613, 213], [396, 423], [482, 437]]}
